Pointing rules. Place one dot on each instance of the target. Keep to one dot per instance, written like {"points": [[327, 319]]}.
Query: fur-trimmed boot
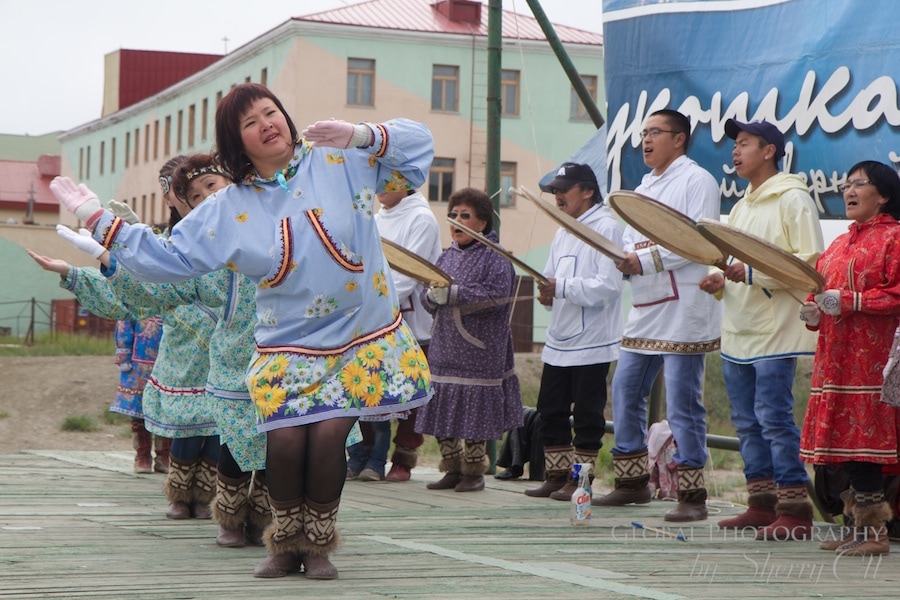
{"points": [[451, 464], [587, 457], [320, 538], [632, 478], [161, 446], [761, 503], [284, 539], [204, 490], [230, 510], [557, 466], [179, 488], [847, 531], [142, 441], [403, 460], [794, 511], [870, 517], [474, 466], [691, 497], [259, 514]]}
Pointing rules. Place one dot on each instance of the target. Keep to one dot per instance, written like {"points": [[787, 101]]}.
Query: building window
{"points": [[218, 98], [264, 76], [192, 117], [167, 137], [507, 180], [112, 156], [509, 93], [180, 128], [153, 212], [204, 119], [156, 139], [144, 209], [147, 142], [127, 149], [102, 157], [247, 79], [445, 88], [137, 146], [440, 179], [360, 82], [577, 111]]}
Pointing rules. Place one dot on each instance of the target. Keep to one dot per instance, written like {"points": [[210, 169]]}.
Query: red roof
{"points": [[17, 178], [143, 73], [426, 16]]}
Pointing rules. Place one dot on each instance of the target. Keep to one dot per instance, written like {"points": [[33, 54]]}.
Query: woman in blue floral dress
{"points": [[330, 344]]}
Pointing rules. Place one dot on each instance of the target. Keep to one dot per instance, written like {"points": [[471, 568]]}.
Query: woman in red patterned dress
{"points": [[856, 315]]}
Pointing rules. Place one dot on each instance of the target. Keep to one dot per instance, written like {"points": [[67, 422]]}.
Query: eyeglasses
{"points": [[652, 133], [559, 190], [465, 216], [856, 183]]}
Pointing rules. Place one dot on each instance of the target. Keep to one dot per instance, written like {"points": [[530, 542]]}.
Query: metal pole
{"points": [[492, 169], [563, 57]]}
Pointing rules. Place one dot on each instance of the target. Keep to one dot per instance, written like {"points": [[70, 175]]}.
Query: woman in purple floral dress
{"points": [[471, 353]]}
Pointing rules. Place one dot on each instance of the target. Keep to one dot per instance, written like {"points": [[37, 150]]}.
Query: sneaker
{"points": [[369, 475]]}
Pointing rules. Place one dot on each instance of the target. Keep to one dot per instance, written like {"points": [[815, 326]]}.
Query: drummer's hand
{"points": [[712, 284], [736, 272], [809, 314], [630, 265], [829, 302], [547, 292]]}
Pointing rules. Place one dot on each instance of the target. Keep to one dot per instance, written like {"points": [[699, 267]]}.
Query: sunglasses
{"points": [[462, 215]]}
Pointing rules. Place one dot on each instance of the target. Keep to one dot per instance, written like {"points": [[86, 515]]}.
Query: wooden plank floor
{"points": [[81, 525]]}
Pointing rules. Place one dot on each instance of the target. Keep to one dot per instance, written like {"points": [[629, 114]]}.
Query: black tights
{"points": [[308, 461], [229, 467], [865, 476]]}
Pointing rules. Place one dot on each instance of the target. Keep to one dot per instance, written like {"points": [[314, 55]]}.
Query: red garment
{"points": [[845, 420]]}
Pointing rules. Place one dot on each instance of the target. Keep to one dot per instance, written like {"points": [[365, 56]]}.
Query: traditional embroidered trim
{"points": [[657, 260], [287, 252], [384, 140], [760, 486], [216, 169], [671, 347], [109, 236], [182, 391], [365, 339], [341, 257], [471, 380], [856, 301]]}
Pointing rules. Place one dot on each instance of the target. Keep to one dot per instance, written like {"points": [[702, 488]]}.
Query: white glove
{"points": [[81, 240], [78, 199], [809, 314], [124, 367], [338, 134], [124, 212], [438, 295], [829, 302]]}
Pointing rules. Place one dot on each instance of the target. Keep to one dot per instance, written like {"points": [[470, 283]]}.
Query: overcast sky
{"points": [[52, 50]]}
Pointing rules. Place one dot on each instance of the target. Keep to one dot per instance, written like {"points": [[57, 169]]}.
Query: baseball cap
{"points": [[568, 175], [763, 129]]}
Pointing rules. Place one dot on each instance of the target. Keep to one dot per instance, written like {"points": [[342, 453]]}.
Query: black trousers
{"points": [[577, 392]]}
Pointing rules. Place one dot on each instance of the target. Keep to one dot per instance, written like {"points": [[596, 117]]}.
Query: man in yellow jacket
{"points": [[762, 336]]}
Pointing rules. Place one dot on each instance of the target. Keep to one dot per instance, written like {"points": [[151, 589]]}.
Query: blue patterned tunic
{"points": [[329, 338], [137, 344]]}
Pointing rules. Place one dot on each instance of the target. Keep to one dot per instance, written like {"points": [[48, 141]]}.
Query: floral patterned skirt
{"points": [[380, 374]]}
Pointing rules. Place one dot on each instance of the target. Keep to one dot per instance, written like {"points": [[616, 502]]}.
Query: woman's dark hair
{"points": [[885, 180], [229, 146], [478, 201], [194, 166], [165, 172]]}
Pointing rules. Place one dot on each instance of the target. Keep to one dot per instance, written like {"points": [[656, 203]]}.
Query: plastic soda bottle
{"points": [[581, 497]]}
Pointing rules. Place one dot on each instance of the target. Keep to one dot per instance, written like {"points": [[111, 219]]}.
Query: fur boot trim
{"points": [[762, 501], [475, 462], [872, 515], [451, 455], [801, 510], [180, 480], [284, 535], [408, 457], [475, 468], [231, 505], [320, 535]]}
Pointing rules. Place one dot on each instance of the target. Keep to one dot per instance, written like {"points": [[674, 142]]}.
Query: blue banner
{"points": [[824, 71]]}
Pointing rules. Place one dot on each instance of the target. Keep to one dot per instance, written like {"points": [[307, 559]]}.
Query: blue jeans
{"points": [[371, 453], [631, 385], [762, 411], [192, 448]]}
